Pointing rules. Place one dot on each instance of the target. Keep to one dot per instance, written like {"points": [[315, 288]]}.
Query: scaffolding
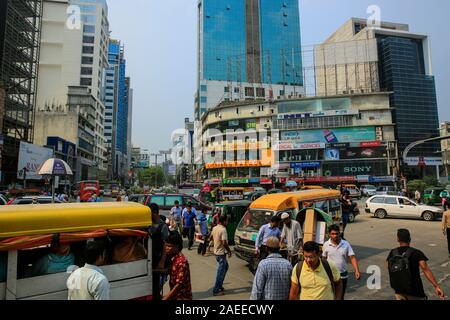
{"points": [[20, 25]]}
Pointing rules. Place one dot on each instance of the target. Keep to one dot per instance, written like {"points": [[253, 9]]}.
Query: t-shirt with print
{"points": [[414, 263], [180, 274], [219, 234]]}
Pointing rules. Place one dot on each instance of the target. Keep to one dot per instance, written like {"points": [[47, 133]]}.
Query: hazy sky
{"points": [[160, 40]]}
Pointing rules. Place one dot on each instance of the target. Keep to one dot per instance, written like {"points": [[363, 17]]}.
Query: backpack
{"points": [[400, 271], [327, 268]]}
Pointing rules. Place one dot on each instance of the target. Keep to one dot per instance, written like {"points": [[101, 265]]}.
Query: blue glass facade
{"points": [[116, 99], [224, 39], [281, 42], [414, 102], [230, 30]]}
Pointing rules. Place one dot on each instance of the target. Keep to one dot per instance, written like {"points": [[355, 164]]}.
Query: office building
{"points": [[20, 22], [445, 144], [94, 61], [386, 58], [247, 50], [117, 101]]}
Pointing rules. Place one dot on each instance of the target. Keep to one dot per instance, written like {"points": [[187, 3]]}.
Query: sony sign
{"points": [[358, 169]]}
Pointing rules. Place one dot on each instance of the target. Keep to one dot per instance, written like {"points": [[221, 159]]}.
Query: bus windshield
{"points": [[253, 220]]}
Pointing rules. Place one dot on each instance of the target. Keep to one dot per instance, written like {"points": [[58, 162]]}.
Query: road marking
{"points": [[432, 245], [446, 264]]}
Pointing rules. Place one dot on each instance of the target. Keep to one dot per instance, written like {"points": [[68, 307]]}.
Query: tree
{"points": [[417, 185], [153, 176]]}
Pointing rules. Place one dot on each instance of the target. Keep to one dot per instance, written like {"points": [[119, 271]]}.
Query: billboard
{"points": [[32, 157], [339, 135], [355, 153]]}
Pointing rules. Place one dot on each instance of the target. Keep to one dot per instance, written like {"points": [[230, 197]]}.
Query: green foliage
{"points": [[153, 176], [417, 185], [431, 181], [137, 190]]}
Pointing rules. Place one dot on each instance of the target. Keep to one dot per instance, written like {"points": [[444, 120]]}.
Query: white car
{"points": [[368, 190], [382, 206]]}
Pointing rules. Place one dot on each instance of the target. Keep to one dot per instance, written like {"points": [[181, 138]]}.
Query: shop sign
{"points": [[253, 180], [370, 144], [429, 161], [301, 165], [265, 181], [235, 181], [358, 169]]}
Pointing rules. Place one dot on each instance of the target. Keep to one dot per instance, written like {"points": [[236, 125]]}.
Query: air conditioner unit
{"points": [[352, 91], [266, 126], [344, 92]]}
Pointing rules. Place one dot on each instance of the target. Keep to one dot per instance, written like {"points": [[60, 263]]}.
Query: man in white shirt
{"points": [[89, 282], [339, 251], [292, 237]]}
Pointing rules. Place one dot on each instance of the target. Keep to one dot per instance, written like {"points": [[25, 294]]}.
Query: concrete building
{"points": [[19, 58], [248, 50], [445, 144], [61, 89], [360, 58], [325, 140], [94, 61], [75, 123]]}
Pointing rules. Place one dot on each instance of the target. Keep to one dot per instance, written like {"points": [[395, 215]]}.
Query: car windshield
{"points": [[254, 220]]}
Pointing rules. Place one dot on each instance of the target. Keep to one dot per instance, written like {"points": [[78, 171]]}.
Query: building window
{"points": [[88, 50], [249, 92], [87, 60], [226, 89], [203, 99], [88, 39], [236, 90], [203, 88], [260, 92], [88, 29], [86, 82], [86, 71]]}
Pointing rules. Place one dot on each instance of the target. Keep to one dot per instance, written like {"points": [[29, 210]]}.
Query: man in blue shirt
{"points": [[188, 219], [203, 230], [267, 231]]}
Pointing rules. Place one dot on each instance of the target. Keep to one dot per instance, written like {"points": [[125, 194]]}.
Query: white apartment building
{"points": [[74, 53], [94, 62]]}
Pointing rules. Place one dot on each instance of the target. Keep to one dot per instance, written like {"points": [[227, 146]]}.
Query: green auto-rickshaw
{"points": [[235, 210]]}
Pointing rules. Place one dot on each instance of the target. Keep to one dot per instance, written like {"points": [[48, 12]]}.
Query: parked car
{"points": [[432, 196], [166, 202], [368, 190], [138, 198], [29, 200], [401, 207], [355, 192], [385, 190], [252, 196]]}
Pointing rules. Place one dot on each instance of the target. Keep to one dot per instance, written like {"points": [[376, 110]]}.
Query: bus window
{"points": [[322, 205], [335, 208]]}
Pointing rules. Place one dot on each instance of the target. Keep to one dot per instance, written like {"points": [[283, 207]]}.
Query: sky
{"points": [[160, 39]]}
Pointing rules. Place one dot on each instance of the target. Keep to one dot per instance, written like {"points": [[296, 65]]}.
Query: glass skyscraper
{"points": [[402, 71], [248, 49]]}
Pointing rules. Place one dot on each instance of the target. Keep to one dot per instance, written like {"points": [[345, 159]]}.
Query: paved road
{"points": [[371, 239]]}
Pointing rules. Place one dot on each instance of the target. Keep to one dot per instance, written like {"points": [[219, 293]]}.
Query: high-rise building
{"points": [[19, 55], [117, 99], [94, 61], [395, 60], [247, 50]]}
